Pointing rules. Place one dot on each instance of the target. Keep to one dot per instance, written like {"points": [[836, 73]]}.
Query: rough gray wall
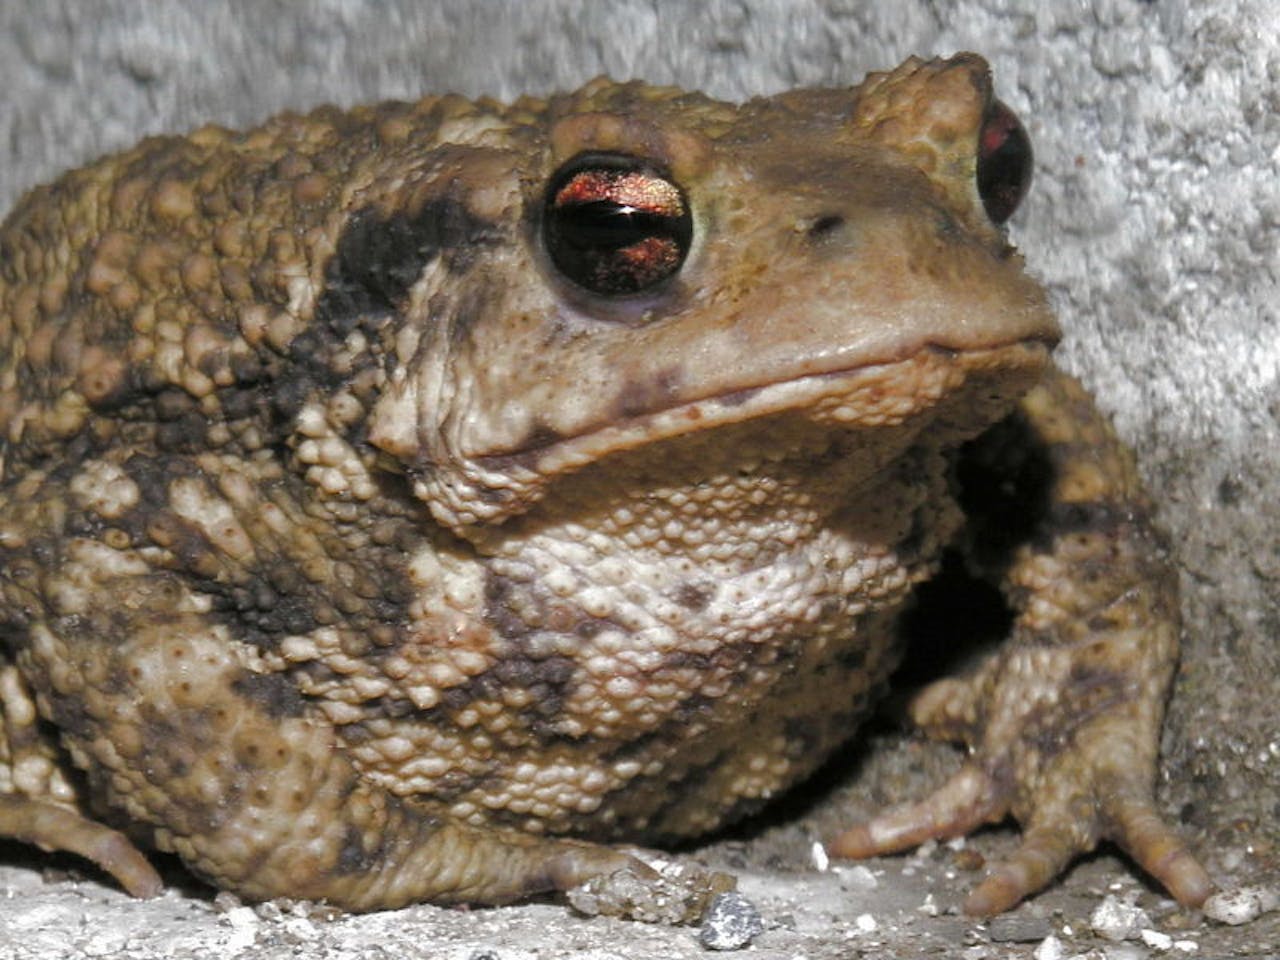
{"points": [[1154, 220]]}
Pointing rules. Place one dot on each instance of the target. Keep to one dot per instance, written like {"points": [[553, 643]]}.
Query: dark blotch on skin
{"points": [[693, 597], [637, 399], [272, 693], [260, 616], [73, 716], [182, 436], [496, 610], [380, 257], [550, 680], [1098, 689], [153, 476], [1093, 692], [539, 437], [737, 398], [947, 230], [353, 858]]}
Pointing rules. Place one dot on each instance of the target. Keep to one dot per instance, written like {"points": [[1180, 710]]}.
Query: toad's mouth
{"points": [[952, 393], [962, 391]]}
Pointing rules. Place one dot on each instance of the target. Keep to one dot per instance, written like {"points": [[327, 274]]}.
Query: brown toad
{"points": [[389, 494]]}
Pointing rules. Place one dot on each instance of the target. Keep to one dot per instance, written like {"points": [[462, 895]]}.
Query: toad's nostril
{"points": [[825, 225]]}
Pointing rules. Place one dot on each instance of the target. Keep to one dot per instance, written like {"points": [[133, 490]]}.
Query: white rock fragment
{"points": [[300, 930], [929, 908], [858, 878], [1050, 948], [1186, 946], [1117, 921], [269, 910], [865, 923], [818, 854], [1156, 940], [925, 851], [244, 924], [1235, 907]]}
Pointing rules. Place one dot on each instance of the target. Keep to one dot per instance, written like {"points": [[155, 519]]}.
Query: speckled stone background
{"points": [[1155, 222]]}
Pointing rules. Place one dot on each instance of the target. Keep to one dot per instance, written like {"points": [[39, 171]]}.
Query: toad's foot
{"points": [[1067, 797], [1064, 722], [54, 828]]}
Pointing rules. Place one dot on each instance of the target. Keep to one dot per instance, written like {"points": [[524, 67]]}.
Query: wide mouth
{"points": [[965, 390]]}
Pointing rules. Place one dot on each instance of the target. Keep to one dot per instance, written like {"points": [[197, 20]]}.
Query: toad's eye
{"points": [[616, 224], [1004, 162]]}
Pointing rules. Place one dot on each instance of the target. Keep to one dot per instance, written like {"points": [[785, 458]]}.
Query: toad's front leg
{"points": [[1064, 722], [231, 773]]}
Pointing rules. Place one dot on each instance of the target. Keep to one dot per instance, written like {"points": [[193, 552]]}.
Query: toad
{"points": [[407, 503]]}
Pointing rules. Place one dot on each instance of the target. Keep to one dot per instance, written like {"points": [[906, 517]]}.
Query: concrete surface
{"points": [[1155, 221]]}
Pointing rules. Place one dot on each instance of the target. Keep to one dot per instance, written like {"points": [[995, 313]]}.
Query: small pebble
{"points": [[818, 853], [299, 930], [1050, 949], [269, 910], [244, 925], [1156, 940], [1239, 906], [1011, 929], [858, 878], [241, 918], [926, 850], [865, 923], [1117, 921], [731, 923]]}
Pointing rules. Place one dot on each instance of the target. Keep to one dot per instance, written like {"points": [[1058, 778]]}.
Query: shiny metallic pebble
{"points": [[731, 923]]}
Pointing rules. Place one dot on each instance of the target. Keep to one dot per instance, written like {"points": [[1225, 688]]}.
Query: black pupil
{"points": [[604, 223], [616, 225]]}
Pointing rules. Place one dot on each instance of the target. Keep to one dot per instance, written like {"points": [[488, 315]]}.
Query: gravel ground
{"points": [[894, 909], [1154, 221]]}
